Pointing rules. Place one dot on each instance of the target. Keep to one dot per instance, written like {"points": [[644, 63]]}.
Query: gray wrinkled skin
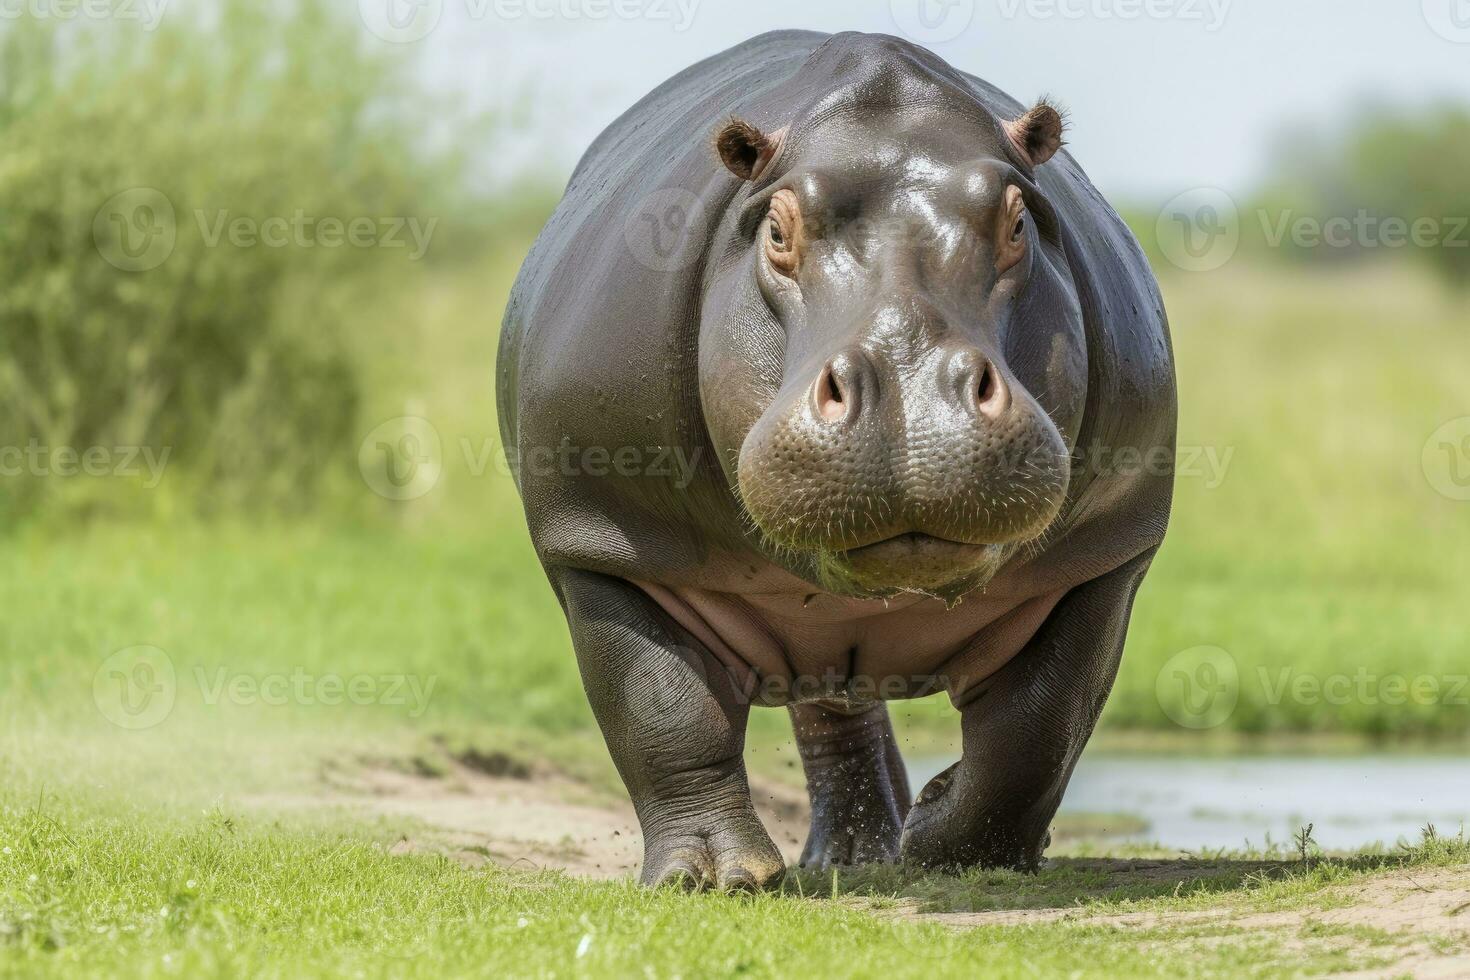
{"points": [[899, 412]]}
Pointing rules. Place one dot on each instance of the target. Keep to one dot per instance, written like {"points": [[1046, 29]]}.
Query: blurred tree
{"points": [[131, 312], [1389, 182]]}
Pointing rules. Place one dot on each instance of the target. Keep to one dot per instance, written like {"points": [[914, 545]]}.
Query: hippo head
{"points": [[893, 363]]}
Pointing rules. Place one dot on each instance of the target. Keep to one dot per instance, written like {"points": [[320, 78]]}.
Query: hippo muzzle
{"points": [[906, 473]]}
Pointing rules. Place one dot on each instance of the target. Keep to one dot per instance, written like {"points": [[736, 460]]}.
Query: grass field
{"points": [[1307, 537], [113, 887]]}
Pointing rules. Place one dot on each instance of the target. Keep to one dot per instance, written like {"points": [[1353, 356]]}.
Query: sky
{"points": [[1163, 95]]}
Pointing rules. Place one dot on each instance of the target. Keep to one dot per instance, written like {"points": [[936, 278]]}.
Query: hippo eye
{"points": [[1010, 230], [782, 232]]}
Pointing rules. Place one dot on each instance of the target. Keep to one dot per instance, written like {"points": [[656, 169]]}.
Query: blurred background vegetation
{"points": [[1317, 375], [244, 358]]}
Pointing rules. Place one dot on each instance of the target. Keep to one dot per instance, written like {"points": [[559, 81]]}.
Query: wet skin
{"points": [[898, 334]]}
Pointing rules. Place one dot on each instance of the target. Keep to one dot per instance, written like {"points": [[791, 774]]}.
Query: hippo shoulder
{"points": [[658, 157]]}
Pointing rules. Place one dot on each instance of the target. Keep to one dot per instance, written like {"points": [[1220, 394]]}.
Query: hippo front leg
{"points": [[674, 723], [1023, 734], [856, 782]]}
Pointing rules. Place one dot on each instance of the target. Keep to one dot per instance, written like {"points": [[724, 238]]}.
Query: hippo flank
{"points": [[896, 338]]}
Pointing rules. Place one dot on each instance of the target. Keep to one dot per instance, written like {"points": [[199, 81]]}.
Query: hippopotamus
{"points": [[817, 388]]}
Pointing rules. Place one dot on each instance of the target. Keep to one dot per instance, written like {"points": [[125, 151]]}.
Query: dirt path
{"points": [[520, 819], [1413, 923], [1397, 923]]}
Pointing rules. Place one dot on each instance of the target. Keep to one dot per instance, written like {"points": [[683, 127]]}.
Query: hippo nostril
{"points": [[987, 385], [990, 393], [842, 388], [831, 400]]}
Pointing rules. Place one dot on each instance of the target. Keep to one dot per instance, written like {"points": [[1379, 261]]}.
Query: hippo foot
{"points": [[856, 813], [711, 851], [949, 829]]}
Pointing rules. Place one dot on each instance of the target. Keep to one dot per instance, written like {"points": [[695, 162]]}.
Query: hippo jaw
{"points": [[885, 348], [918, 562]]}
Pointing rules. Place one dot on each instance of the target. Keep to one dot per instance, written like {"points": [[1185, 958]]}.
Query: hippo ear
{"points": [[1037, 134], [745, 150]]}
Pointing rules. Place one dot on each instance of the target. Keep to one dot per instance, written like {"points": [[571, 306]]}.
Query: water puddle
{"points": [[1193, 803]]}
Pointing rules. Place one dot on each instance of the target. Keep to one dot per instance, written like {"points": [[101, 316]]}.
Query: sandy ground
{"points": [[1406, 923], [527, 820], [1417, 922]]}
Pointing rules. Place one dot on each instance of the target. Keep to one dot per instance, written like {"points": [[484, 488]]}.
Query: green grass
{"points": [[132, 890], [1138, 878]]}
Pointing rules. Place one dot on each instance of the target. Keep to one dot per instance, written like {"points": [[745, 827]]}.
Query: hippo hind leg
{"points": [[856, 782], [674, 723]]}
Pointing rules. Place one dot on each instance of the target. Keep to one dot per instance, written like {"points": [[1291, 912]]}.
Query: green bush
{"points": [[175, 211]]}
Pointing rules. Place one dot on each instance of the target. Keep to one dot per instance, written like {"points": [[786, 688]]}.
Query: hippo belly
{"points": [[789, 648]]}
